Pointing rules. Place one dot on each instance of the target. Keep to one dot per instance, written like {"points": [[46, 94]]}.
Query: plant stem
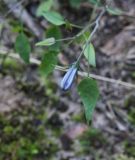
{"points": [[91, 35], [82, 74]]}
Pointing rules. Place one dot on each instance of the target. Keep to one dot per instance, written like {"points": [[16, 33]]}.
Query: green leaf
{"points": [[54, 18], [43, 7], [88, 91], [89, 53], [48, 62], [46, 42], [75, 3], [1, 27], [114, 11], [8, 129], [83, 38], [54, 31], [22, 46], [95, 2]]}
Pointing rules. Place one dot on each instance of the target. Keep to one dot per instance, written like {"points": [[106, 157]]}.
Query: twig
{"points": [[124, 14], [15, 6], [26, 18], [91, 35], [82, 74], [101, 78]]}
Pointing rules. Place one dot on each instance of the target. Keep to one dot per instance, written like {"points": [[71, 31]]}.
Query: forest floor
{"points": [[39, 121]]}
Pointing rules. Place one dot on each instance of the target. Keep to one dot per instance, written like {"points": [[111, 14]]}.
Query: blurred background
{"points": [[39, 121]]}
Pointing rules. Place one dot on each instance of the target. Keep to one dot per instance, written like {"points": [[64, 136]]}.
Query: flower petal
{"points": [[68, 78]]}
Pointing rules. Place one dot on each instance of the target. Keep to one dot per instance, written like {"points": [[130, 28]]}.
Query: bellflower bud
{"points": [[68, 78]]}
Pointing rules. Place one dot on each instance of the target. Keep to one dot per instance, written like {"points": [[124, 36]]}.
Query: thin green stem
{"points": [[78, 34], [76, 26], [91, 35], [91, 18]]}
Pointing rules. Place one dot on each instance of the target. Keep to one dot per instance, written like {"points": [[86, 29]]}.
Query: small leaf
{"points": [[46, 42], [75, 3], [69, 26], [88, 91], [83, 37], [54, 31], [89, 53], [22, 46], [48, 62], [114, 11], [54, 18], [43, 7], [95, 2]]}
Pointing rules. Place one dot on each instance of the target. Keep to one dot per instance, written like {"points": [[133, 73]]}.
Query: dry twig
{"points": [[19, 12], [82, 74]]}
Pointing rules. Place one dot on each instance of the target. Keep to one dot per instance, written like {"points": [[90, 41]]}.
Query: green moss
{"points": [[122, 157], [131, 116], [12, 64], [133, 75], [92, 139], [50, 86], [129, 102], [130, 149], [130, 105], [79, 117], [23, 136]]}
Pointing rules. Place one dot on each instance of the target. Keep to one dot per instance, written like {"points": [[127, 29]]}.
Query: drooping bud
{"points": [[68, 78]]}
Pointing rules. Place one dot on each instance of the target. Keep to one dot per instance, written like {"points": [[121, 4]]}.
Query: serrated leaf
{"points": [[114, 11], [46, 42], [56, 33], [89, 53], [88, 91], [22, 46], [54, 18], [48, 62], [43, 7]]}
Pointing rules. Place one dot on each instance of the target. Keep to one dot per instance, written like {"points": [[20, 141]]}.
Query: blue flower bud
{"points": [[68, 78]]}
